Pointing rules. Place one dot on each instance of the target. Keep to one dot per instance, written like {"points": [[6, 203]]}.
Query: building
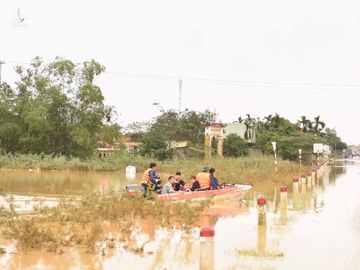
{"points": [[239, 129], [130, 145]]}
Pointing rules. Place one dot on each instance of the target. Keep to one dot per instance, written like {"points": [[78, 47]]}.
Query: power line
{"points": [[225, 81], [237, 82]]}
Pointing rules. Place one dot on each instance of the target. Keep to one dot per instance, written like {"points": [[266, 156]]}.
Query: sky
{"points": [[236, 57]]}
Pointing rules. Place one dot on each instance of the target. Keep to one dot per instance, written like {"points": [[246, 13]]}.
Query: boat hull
{"points": [[227, 193]]}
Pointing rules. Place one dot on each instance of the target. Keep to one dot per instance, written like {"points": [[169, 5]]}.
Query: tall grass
{"points": [[239, 170], [84, 223], [49, 162]]}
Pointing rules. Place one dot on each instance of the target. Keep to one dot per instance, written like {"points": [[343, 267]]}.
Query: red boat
{"points": [[235, 191]]}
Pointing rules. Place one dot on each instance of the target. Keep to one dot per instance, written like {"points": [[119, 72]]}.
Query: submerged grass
{"points": [[239, 170], [83, 223]]}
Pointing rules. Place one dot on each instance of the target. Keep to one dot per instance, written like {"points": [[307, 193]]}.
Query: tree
{"points": [[56, 108], [9, 128], [318, 125], [305, 124], [154, 147], [234, 146], [186, 126], [330, 137]]}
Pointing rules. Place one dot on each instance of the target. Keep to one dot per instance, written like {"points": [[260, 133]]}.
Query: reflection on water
{"points": [[59, 182], [301, 233]]}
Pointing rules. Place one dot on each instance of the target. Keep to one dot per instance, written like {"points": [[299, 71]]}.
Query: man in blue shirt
{"points": [[213, 181]]}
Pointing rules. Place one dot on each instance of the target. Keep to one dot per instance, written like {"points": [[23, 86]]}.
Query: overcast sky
{"points": [[291, 53]]}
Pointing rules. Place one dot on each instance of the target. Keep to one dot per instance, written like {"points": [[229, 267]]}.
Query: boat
{"points": [[228, 191]]}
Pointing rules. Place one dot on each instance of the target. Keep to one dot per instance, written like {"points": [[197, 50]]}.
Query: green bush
{"points": [[234, 146]]}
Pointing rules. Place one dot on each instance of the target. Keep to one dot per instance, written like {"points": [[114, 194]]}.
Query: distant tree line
{"points": [[188, 126], [58, 109]]}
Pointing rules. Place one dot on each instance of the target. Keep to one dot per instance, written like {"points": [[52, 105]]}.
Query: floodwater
{"points": [[317, 227]]}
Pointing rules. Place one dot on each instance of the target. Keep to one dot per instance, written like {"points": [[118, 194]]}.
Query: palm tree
{"points": [[268, 121], [305, 124], [250, 125], [318, 125], [247, 134], [276, 121]]}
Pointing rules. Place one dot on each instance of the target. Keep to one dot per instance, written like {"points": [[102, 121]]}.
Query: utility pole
{"points": [[180, 89], [1, 63]]}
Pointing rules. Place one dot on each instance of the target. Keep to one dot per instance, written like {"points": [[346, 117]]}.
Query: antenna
{"points": [[180, 89]]}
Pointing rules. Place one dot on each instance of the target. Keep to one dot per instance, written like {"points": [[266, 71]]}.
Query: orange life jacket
{"points": [[146, 177], [204, 179]]}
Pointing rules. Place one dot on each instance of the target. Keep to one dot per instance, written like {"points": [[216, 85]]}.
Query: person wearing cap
{"points": [[204, 178]]}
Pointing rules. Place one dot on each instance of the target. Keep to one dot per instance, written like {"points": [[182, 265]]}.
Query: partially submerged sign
{"points": [[318, 148]]}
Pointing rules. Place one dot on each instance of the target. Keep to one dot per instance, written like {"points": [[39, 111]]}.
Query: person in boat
{"points": [[204, 178], [179, 182], [214, 183], [168, 187], [195, 184], [148, 180], [158, 182]]}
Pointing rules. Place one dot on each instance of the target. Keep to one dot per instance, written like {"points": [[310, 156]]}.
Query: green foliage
{"points": [[154, 147], [292, 137], [55, 109], [331, 138], [168, 127], [234, 146], [184, 126]]}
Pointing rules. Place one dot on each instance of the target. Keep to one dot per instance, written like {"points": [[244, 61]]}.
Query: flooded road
{"points": [[316, 227]]}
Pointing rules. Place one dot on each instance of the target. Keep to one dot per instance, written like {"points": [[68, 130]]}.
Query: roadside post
{"points": [[309, 180], [275, 156], [313, 177], [303, 183], [261, 203], [296, 185], [283, 193], [283, 205], [207, 252], [295, 199]]}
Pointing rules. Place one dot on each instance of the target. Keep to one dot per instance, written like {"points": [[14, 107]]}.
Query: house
{"points": [[239, 129], [130, 145], [179, 147], [105, 149]]}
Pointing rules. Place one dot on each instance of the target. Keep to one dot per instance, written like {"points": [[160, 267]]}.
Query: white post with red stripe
{"points": [[296, 185], [283, 193], [283, 205], [261, 202], [207, 252]]}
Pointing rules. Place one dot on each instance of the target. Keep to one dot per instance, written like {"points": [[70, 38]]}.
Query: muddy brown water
{"points": [[318, 228]]}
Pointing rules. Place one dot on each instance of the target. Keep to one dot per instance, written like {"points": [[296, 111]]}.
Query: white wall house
{"points": [[238, 129]]}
